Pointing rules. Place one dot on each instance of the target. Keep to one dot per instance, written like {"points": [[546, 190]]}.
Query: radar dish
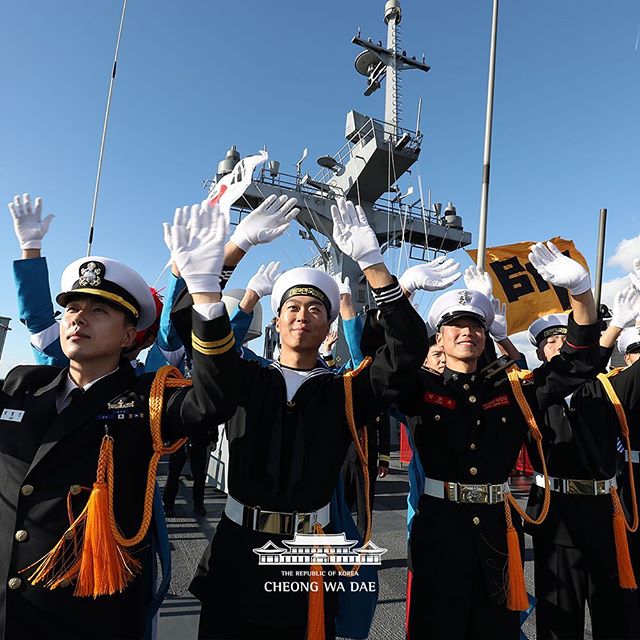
{"points": [[366, 62], [328, 162]]}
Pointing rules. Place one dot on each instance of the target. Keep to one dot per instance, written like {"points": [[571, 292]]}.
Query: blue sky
{"points": [[195, 77]]}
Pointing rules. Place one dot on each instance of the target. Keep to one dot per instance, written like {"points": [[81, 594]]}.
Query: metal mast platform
{"points": [[377, 153]]}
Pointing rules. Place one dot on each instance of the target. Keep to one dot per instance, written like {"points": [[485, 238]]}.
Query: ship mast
{"points": [[366, 169]]}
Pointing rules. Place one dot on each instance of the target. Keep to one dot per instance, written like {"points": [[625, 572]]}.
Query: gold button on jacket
{"points": [[15, 583]]}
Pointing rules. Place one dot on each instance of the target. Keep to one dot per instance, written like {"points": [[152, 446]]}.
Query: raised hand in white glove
{"points": [[28, 223], [634, 276], [558, 269], [196, 240], [498, 328], [478, 280], [343, 285], [264, 279], [266, 222], [353, 235], [430, 276], [625, 308]]}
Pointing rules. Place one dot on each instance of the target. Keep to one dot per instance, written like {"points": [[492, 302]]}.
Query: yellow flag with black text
{"points": [[517, 283]]}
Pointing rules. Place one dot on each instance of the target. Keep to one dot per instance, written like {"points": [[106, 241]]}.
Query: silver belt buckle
{"points": [[284, 524], [451, 491], [603, 487], [496, 493], [474, 493], [268, 521]]}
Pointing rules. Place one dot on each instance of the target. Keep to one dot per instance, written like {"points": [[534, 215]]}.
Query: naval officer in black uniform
{"points": [[469, 435], [574, 548], [53, 424]]}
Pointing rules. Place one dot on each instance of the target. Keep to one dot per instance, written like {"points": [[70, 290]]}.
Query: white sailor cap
{"points": [[305, 281], [113, 281], [231, 299], [461, 303], [554, 324], [629, 340]]}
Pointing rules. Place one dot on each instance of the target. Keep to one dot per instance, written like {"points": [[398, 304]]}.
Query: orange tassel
{"points": [[517, 599], [61, 564], [626, 577], [90, 550], [106, 567], [315, 613]]}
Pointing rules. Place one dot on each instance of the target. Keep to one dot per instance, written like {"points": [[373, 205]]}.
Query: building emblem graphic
{"points": [[319, 549]]}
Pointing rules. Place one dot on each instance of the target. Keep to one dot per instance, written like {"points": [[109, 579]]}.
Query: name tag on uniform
{"points": [[436, 398], [12, 415], [498, 401]]}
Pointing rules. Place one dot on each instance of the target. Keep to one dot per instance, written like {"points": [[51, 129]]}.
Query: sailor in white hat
{"points": [[461, 303], [547, 334], [307, 282], [470, 431], [629, 344], [288, 441], [111, 281], [582, 469], [90, 425]]}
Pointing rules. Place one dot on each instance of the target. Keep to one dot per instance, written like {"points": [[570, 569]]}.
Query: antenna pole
{"points": [[600, 260], [104, 132], [486, 163]]}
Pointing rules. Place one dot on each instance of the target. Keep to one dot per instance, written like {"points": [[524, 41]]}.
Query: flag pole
{"points": [[484, 195], [600, 259], [104, 132]]}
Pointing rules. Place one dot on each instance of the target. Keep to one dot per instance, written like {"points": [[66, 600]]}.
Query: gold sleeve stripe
{"points": [[107, 295], [213, 343], [213, 351], [384, 458]]}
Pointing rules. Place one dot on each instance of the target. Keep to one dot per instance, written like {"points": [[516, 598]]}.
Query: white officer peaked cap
{"points": [[554, 324], [305, 281], [460, 303], [112, 281], [629, 340], [231, 299]]}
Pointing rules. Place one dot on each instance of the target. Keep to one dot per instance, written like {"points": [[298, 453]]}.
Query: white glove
{"points": [[431, 276], [478, 280], [28, 223], [353, 235], [343, 285], [634, 276], [196, 240], [264, 279], [557, 269], [498, 328], [266, 222], [625, 308]]}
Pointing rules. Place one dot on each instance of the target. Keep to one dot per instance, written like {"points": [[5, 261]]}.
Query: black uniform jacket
{"points": [[286, 456], [572, 452], [44, 453], [594, 415], [470, 429]]}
